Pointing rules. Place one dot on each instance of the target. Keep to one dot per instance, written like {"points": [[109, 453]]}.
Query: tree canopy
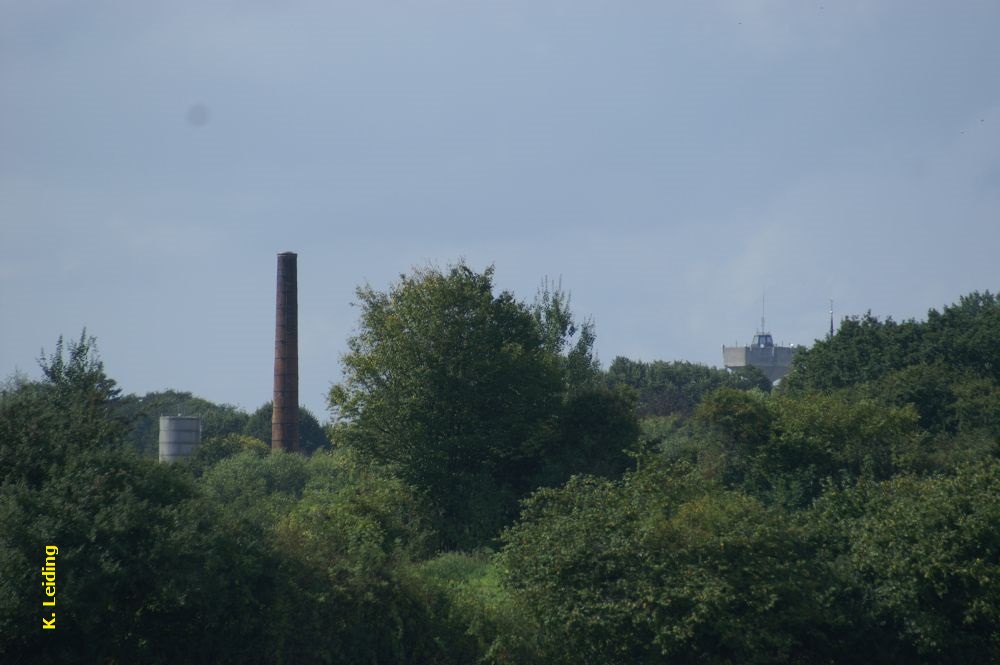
{"points": [[666, 388], [460, 390], [864, 349], [493, 497]]}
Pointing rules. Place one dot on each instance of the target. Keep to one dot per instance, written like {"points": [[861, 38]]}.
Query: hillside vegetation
{"points": [[486, 493]]}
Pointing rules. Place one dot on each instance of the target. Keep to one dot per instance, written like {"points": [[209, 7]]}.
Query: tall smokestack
{"points": [[285, 420]]}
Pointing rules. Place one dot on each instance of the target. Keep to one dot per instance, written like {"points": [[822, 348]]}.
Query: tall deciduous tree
{"points": [[571, 342], [71, 410], [452, 386]]}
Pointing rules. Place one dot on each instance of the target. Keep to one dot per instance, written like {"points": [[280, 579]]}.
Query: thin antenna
{"points": [[763, 328], [831, 317]]}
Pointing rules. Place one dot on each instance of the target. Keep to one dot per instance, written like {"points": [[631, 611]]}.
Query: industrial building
{"points": [[774, 361]]}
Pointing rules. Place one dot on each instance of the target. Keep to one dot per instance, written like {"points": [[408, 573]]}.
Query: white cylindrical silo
{"points": [[179, 436]]}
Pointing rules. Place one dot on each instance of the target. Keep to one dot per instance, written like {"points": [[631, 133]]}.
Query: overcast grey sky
{"points": [[669, 160]]}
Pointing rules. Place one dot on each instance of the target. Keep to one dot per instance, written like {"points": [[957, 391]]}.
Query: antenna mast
{"points": [[831, 317], [763, 327]]}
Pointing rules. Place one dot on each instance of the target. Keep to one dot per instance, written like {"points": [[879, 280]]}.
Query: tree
{"points": [[72, 409], [931, 556], [137, 550], [929, 388], [661, 567], [325, 538], [677, 387], [341, 545], [595, 432], [213, 450], [820, 437], [311, 434], [554, 316], [918, 559], [452, 387], [863, 349], [977, 406], [963, 337], [143, 415]]}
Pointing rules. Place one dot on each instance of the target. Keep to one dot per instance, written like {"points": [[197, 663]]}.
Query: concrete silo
{"points": [[179, 437]]}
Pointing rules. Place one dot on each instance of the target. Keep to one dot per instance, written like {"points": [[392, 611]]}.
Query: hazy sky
{"points": [[670, 161]]}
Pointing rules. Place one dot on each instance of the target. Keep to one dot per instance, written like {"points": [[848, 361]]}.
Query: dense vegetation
{"points": [[493, 496], [217, 420]]}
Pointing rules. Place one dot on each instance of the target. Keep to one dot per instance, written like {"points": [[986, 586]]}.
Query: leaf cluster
{"points": [[475, 397]]}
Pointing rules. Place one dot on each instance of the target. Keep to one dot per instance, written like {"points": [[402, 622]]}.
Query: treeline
{"points": [[676, 388], [142, 413], [493, 496]]}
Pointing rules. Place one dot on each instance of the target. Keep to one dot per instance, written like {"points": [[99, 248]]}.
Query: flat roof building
{"points": [[774, 361]]}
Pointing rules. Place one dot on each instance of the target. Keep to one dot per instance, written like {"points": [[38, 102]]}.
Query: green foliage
{"points": [[143, 415], [912, 566], [595, 433], [675, 439], [677, 387], [256, 489], [402, 515], [835, 434], [554, 317], [659, 568], [460, 391], [136, 549], [977, 406], [475, 619], [744, 419], [80, 377], [863, 349], [217, 421], [930, 389], [783, 448], [71, 410], [311, 434], [947, 401], [930, 555], [218, 448], [136, 552], [341, 545], [306, 553], [962, 337], [848, 517]]}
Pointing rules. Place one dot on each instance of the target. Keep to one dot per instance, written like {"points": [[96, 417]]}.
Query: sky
{"points": [[673, 163]]}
